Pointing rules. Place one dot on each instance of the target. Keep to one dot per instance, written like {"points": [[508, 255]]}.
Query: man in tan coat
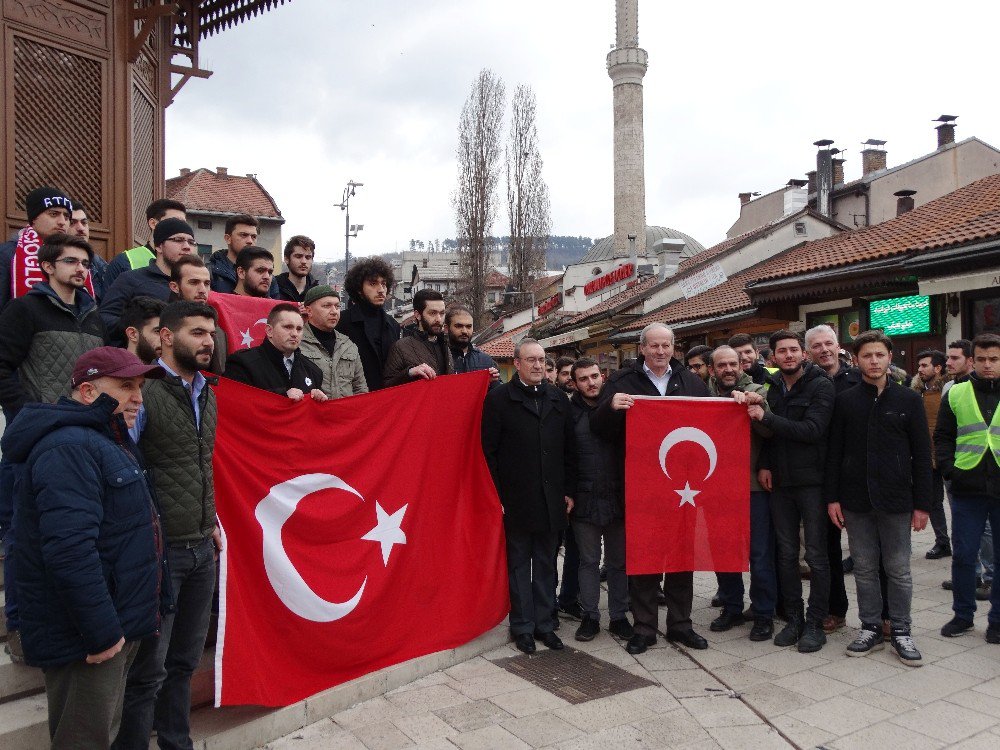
{"points": [[928, 382], [334, 353]]}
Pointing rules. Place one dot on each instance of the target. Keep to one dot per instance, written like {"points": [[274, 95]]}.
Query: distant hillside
{"points": [[562, 251]]}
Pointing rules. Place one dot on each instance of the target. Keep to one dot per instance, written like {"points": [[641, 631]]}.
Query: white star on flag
{"points": [[687, 495], [387, 530], [247, 338]]}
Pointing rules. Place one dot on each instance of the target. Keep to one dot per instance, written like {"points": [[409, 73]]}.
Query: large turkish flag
{"points": [[242, 318], [359, 533], [687, 486]]}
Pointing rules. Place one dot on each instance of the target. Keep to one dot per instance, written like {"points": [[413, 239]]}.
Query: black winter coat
{"points": [[88, 540], [879, 451], [287, 290], [528, 443], [609, 424], [984, 479], [599, 494], [263, 367], [846, 377], [142, 282], [799, 421], [374, 349]]}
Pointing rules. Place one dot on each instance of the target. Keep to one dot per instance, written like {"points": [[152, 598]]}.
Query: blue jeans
{"points": [[158, 690], [881, 541], [969, 514], [763, 578], [792, 508]]}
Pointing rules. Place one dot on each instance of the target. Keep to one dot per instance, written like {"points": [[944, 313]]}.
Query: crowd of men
{"points": [[107, 508], [839, 441]]}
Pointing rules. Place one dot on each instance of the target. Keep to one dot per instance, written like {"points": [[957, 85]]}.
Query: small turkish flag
{"points": [[242, 318], [687, 486], [376, 537]]}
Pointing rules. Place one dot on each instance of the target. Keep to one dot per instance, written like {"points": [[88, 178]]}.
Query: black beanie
{"points": [[40, 200], [167, 227]]}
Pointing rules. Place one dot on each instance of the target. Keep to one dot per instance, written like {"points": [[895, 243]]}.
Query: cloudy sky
{"points": [[319, 92]]}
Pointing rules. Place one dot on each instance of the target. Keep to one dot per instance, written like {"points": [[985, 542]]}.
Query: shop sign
{"points": [[901, 315], [612, 277]]}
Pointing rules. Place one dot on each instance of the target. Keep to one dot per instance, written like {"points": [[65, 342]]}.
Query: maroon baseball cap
{"points": [[110, 361]]}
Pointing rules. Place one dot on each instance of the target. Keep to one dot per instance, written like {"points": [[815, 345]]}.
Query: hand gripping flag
{"points": [[375, 537], [687, 485], [242, 318]]}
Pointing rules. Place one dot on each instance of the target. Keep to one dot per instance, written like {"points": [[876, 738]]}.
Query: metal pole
{"points": [[347, 234]]}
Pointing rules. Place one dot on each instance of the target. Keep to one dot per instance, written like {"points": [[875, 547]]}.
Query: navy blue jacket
{"points": [[88, 546], [142, 282], [473, 361]]}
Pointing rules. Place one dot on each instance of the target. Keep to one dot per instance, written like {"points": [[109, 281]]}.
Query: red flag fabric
{"points": [[376, 538], [687, 486], [242, 318]]}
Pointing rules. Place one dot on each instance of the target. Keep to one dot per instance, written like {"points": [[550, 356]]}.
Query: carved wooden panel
{"points": [[62, 18], [58, 138], [143, 159]]}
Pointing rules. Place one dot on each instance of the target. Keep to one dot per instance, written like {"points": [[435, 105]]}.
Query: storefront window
{"points": [[985, 315]]}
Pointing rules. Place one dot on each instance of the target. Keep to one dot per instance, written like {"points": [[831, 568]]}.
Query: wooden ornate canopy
{"points": [[84, 90]]}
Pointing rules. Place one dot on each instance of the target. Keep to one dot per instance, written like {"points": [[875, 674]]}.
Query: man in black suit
{"points": [[655, 373], [277, 365], [528, 437]]}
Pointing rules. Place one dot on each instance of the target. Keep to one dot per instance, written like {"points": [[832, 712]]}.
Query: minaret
{"points": [[626, 66]]}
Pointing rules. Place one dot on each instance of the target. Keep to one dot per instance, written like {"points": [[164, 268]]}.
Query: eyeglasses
{"points": [[75, 262], [183, 240]]}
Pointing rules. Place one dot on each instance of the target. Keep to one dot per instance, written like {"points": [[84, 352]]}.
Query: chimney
{"points": [[744, 198], [795, 197], [185, 171], [873, 157], [824, 176], [904, 201], [946, 130], [222, 171], [811, 181], [838, 169], [668, 257]]}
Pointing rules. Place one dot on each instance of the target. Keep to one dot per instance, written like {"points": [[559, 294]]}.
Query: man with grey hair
{"points": [[528, 439], [655, 373], [824, 350]]}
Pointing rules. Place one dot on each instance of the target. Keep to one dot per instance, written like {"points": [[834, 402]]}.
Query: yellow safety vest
{"points": [[974, 437], [139, 257]]}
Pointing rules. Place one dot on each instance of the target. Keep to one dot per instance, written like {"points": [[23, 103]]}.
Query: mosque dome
{"points": [[604, 248]]}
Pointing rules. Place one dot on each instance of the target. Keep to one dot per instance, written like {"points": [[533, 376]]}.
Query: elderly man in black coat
{"points": [[277, 365], [655, 373], [527, 441]]}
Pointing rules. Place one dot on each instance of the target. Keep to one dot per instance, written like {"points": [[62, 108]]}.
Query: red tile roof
{"points": [[502, 347], [204, 190], [969, 214], [496, 280]]}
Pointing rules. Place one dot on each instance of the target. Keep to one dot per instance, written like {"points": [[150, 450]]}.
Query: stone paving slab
{"points": [[737, 694]]}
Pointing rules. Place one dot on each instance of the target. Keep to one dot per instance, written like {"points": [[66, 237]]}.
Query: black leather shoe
{"points": [[588, 629], [621, 629], [938, 551], [687, 638], [638, 643], [525, 643], [762, 630], [550, 640], [726, 621]]}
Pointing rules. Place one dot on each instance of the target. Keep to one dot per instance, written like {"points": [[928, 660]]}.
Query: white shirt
{"points": [[289, 361], [659, 382]]}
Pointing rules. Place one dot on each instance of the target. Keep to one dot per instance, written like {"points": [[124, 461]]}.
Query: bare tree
{"points": [[528, 209], [479, 137]]}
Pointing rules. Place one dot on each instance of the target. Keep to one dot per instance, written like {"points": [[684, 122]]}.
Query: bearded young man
{"points": [[424, 353]]}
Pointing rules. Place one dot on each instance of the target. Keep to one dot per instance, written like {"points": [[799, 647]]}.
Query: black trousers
{"points": [[838, 590], [679, 591], [531, 576]]}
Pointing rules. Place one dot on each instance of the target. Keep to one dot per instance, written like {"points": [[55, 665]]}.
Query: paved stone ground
{"points": [[737, 694]]}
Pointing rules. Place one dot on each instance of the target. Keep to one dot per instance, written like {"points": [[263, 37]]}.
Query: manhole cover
{"points": [[574, 676]]}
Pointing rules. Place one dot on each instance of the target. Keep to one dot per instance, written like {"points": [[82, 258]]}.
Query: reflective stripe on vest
{"points": [[138, 257], [973, 437]]}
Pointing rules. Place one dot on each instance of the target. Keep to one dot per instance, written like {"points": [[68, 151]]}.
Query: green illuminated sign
{"points": [[901, 316]]}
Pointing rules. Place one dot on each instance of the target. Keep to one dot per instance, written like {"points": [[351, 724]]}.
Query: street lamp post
{"points": [[349, 229]]}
